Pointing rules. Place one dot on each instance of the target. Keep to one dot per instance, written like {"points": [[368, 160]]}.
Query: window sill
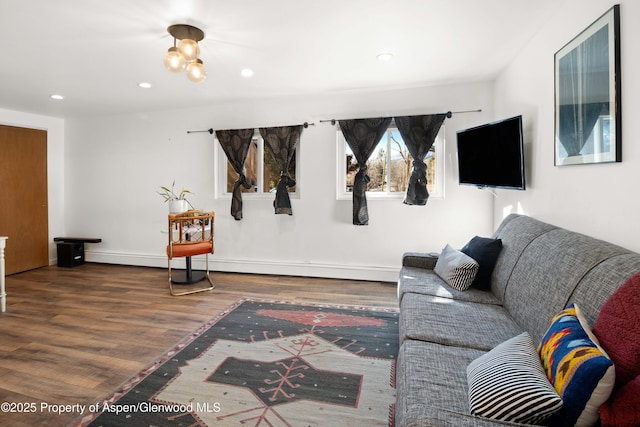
{"points": [[257, 196], [384, 196]]}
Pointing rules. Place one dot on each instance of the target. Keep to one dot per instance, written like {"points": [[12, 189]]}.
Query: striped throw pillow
{"points": [[456, 268], [509, 383]]}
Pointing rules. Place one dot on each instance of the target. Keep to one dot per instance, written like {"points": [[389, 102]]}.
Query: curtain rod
{"points": [[333, 121], [305, 125], [448, 114], [199, 131]]}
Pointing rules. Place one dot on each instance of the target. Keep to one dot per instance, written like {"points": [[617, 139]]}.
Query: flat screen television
{"points": [[492, 155]]}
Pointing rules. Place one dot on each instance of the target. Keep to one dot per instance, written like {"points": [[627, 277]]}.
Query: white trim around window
{"points": [[341, 152], [220, 161]]}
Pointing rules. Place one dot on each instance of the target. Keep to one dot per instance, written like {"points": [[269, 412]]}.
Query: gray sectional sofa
{"points": [[541, 269]]}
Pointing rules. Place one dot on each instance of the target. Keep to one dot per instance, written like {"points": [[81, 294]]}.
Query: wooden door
{"points": [[23, 198]]}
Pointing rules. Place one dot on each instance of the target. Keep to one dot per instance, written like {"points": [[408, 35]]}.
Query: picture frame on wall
{"points": [[587, 95]]}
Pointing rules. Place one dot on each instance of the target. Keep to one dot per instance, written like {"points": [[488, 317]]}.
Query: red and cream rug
{"points": [[266, 363]]}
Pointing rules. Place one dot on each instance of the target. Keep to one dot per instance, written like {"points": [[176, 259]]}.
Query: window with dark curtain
{"points": [[281, 142], [362, 135], [235, 144], [419, 133]]}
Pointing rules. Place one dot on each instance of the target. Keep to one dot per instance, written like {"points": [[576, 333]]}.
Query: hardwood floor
{"points": [[70, 336]]}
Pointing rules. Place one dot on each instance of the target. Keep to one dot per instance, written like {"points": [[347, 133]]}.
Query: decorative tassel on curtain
{"points": [[235, 144], [362, 135], [419, 133], [281, 142]]}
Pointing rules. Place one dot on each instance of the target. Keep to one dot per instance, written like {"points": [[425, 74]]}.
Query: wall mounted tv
{"points": [[492, 155]]}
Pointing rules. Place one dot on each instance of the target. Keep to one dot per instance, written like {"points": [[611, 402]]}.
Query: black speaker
{"points": [[70, 254]]}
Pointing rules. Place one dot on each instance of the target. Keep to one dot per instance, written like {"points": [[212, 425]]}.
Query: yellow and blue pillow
{"points": [[577, 367]]}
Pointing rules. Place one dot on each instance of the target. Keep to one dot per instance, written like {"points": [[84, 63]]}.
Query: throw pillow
{"points": [[578, 368], [456, 268], [485, 251], [622, 409], [508, 383], [617, 329]]}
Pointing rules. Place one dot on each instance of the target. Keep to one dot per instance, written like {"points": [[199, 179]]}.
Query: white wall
{"points": [[55, 128], [600, 200], [104, 172], [116, 164]]}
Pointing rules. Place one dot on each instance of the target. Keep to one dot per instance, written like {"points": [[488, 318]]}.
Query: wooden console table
{"points": [[3, 295]]}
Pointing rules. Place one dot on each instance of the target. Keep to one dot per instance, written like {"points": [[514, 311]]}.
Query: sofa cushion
{"points": [[456, 268], [432, 377], [421, 281], [618, 332], [597, 286], [516, 232], [547, 273], [508, 383], [577, 367], [456, 323], [485, 251]]}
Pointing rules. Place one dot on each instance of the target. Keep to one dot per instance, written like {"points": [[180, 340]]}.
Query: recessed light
{"points": [[384, 56], [54, 96], [144, 85], [247, 72]]}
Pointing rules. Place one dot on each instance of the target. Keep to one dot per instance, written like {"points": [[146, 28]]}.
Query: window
{"points": [[389, 167], [262, 172]]}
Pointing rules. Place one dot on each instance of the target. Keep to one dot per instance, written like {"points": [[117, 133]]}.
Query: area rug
{"points": [[267, 363]]}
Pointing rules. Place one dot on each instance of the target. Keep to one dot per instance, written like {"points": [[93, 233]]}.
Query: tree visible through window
{"points": [[389, 167], [262, 171]]}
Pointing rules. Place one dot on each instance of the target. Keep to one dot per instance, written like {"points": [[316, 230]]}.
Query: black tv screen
{"points": [[492, 155]]}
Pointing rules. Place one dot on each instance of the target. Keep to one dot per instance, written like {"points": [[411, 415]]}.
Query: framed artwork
{"points": [[587, 95]]}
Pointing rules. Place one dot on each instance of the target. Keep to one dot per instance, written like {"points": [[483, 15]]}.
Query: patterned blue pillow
{"points": [[578, 368]]}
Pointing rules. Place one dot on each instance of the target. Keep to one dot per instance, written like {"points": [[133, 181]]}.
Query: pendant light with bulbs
{"points": [[184, 55]]}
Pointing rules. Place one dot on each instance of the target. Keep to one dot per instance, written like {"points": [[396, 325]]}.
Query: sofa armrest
{"points": [[420, 260]]}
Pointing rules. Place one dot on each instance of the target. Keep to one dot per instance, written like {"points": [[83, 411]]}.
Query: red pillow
{"points": [[618, 332], [622, 408]]}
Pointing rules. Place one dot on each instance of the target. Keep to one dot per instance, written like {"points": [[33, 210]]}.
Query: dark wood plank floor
{"points": [[70, 336]]}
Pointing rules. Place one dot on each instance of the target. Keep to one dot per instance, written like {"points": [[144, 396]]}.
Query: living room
{"points": [[86, 197], [104, 170]]}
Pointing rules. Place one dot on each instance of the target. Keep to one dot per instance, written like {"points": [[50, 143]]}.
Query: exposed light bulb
{"points": [[189, 49], [185, 52], [174, 60], [196, 71]]}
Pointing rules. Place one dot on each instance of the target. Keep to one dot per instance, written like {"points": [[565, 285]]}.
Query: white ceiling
{"points": [[95, 52]]}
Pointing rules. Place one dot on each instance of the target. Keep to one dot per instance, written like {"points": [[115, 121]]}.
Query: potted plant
{"points": [[177, 202]]}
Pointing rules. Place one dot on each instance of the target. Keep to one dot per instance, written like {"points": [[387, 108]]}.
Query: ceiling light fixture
{"points": [[384, 56], [58, 97], [184, 55]]}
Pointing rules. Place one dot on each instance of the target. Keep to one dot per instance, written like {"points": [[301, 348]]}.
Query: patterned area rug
{"points": [[263, 363]]}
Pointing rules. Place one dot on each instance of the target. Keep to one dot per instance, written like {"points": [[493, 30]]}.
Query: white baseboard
{"points": [[352, 272]]}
